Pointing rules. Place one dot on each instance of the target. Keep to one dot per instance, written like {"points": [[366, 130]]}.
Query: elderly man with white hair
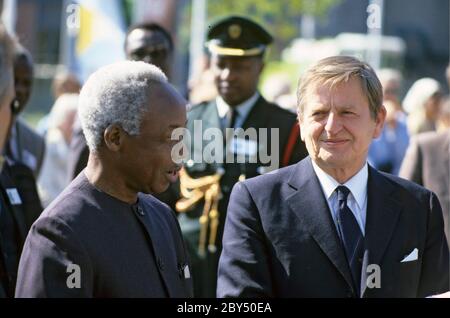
{"points": [[105, 236]]}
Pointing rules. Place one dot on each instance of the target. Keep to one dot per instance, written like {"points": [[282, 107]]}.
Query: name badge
{"points": [[13, 196], [186, 272], [244, 147]]}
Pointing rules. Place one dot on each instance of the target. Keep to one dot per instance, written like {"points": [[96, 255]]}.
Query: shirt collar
{"points": [[357, 184], [243, 108]]}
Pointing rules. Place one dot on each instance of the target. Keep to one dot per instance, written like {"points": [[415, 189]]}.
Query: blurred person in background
{"points": [[53, 177], [427, 162], [19, 202], [277, 89], [63, 83], [421, 103], [392, 81], [201, 85], [150, 43], [387, 151], [25, 145]]}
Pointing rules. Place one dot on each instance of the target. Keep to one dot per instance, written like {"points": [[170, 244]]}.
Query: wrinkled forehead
{"points": [[140, 38], [323, 90]]}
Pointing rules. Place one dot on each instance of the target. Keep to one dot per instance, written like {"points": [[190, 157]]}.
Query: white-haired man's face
{"points": [[145, 159]]}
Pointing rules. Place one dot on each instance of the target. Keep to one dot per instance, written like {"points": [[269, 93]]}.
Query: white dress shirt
{"points": [[357, 199], [243, 109]]}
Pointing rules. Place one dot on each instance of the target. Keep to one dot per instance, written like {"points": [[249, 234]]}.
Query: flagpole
{"points": [[198, 21], [9, 15]]}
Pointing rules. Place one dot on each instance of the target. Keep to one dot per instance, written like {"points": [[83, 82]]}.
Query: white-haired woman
{"points": [[422, 105], [53, 177]]}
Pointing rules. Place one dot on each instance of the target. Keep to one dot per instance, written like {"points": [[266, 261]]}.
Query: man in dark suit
{"points": [[332, 226], [237, 46], [19, 202], [104, 236]]}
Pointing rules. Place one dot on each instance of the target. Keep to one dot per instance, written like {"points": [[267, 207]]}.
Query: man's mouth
{"points": [[335, 142], [227, 87]]}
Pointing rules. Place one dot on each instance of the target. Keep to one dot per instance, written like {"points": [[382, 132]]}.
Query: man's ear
{"points": [[300, 121], [379, 122], [114, 137]]}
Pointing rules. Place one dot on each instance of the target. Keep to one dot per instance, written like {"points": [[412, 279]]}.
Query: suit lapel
{"points": [[381, 220], [309, 204]]}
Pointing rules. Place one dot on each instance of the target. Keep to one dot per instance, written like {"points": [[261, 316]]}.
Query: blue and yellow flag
{"points": [[99, 38]]}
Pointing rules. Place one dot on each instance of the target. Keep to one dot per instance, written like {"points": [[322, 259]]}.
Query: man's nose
{"points": [[333, 123], [227, 74]]}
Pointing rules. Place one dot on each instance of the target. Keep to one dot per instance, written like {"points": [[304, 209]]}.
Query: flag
{"points": [[96, 35]]}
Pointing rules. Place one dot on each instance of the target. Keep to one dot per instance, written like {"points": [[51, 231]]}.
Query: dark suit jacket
{"points": [[427, 162], [280, 239], [19, 177], [121, 250], [29, 142]]}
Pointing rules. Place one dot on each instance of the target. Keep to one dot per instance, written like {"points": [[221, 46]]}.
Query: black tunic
{"points": [[121, 250]]}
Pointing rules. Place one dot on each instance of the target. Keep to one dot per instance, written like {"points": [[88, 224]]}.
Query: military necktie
{"points": [[233, 114], [351, 236]]}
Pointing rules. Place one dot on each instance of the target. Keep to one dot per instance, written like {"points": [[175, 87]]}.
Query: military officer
{"points": [[237, 46]]}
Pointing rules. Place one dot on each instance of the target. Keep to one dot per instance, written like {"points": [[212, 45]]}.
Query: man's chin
{"points": [[152, 189]]}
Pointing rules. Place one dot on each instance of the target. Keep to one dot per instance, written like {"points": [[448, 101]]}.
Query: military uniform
{"points": [[201, 230]]}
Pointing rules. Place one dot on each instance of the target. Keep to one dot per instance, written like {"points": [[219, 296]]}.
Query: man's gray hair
{"points": [[116, 94], [340, 69]]}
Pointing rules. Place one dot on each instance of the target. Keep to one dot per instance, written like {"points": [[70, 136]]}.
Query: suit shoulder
{"points": [[282, 113], [76, 205], [30, 132], [195, 110], [410, 187], [432, 138], [161, 208], [268, 181]]}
